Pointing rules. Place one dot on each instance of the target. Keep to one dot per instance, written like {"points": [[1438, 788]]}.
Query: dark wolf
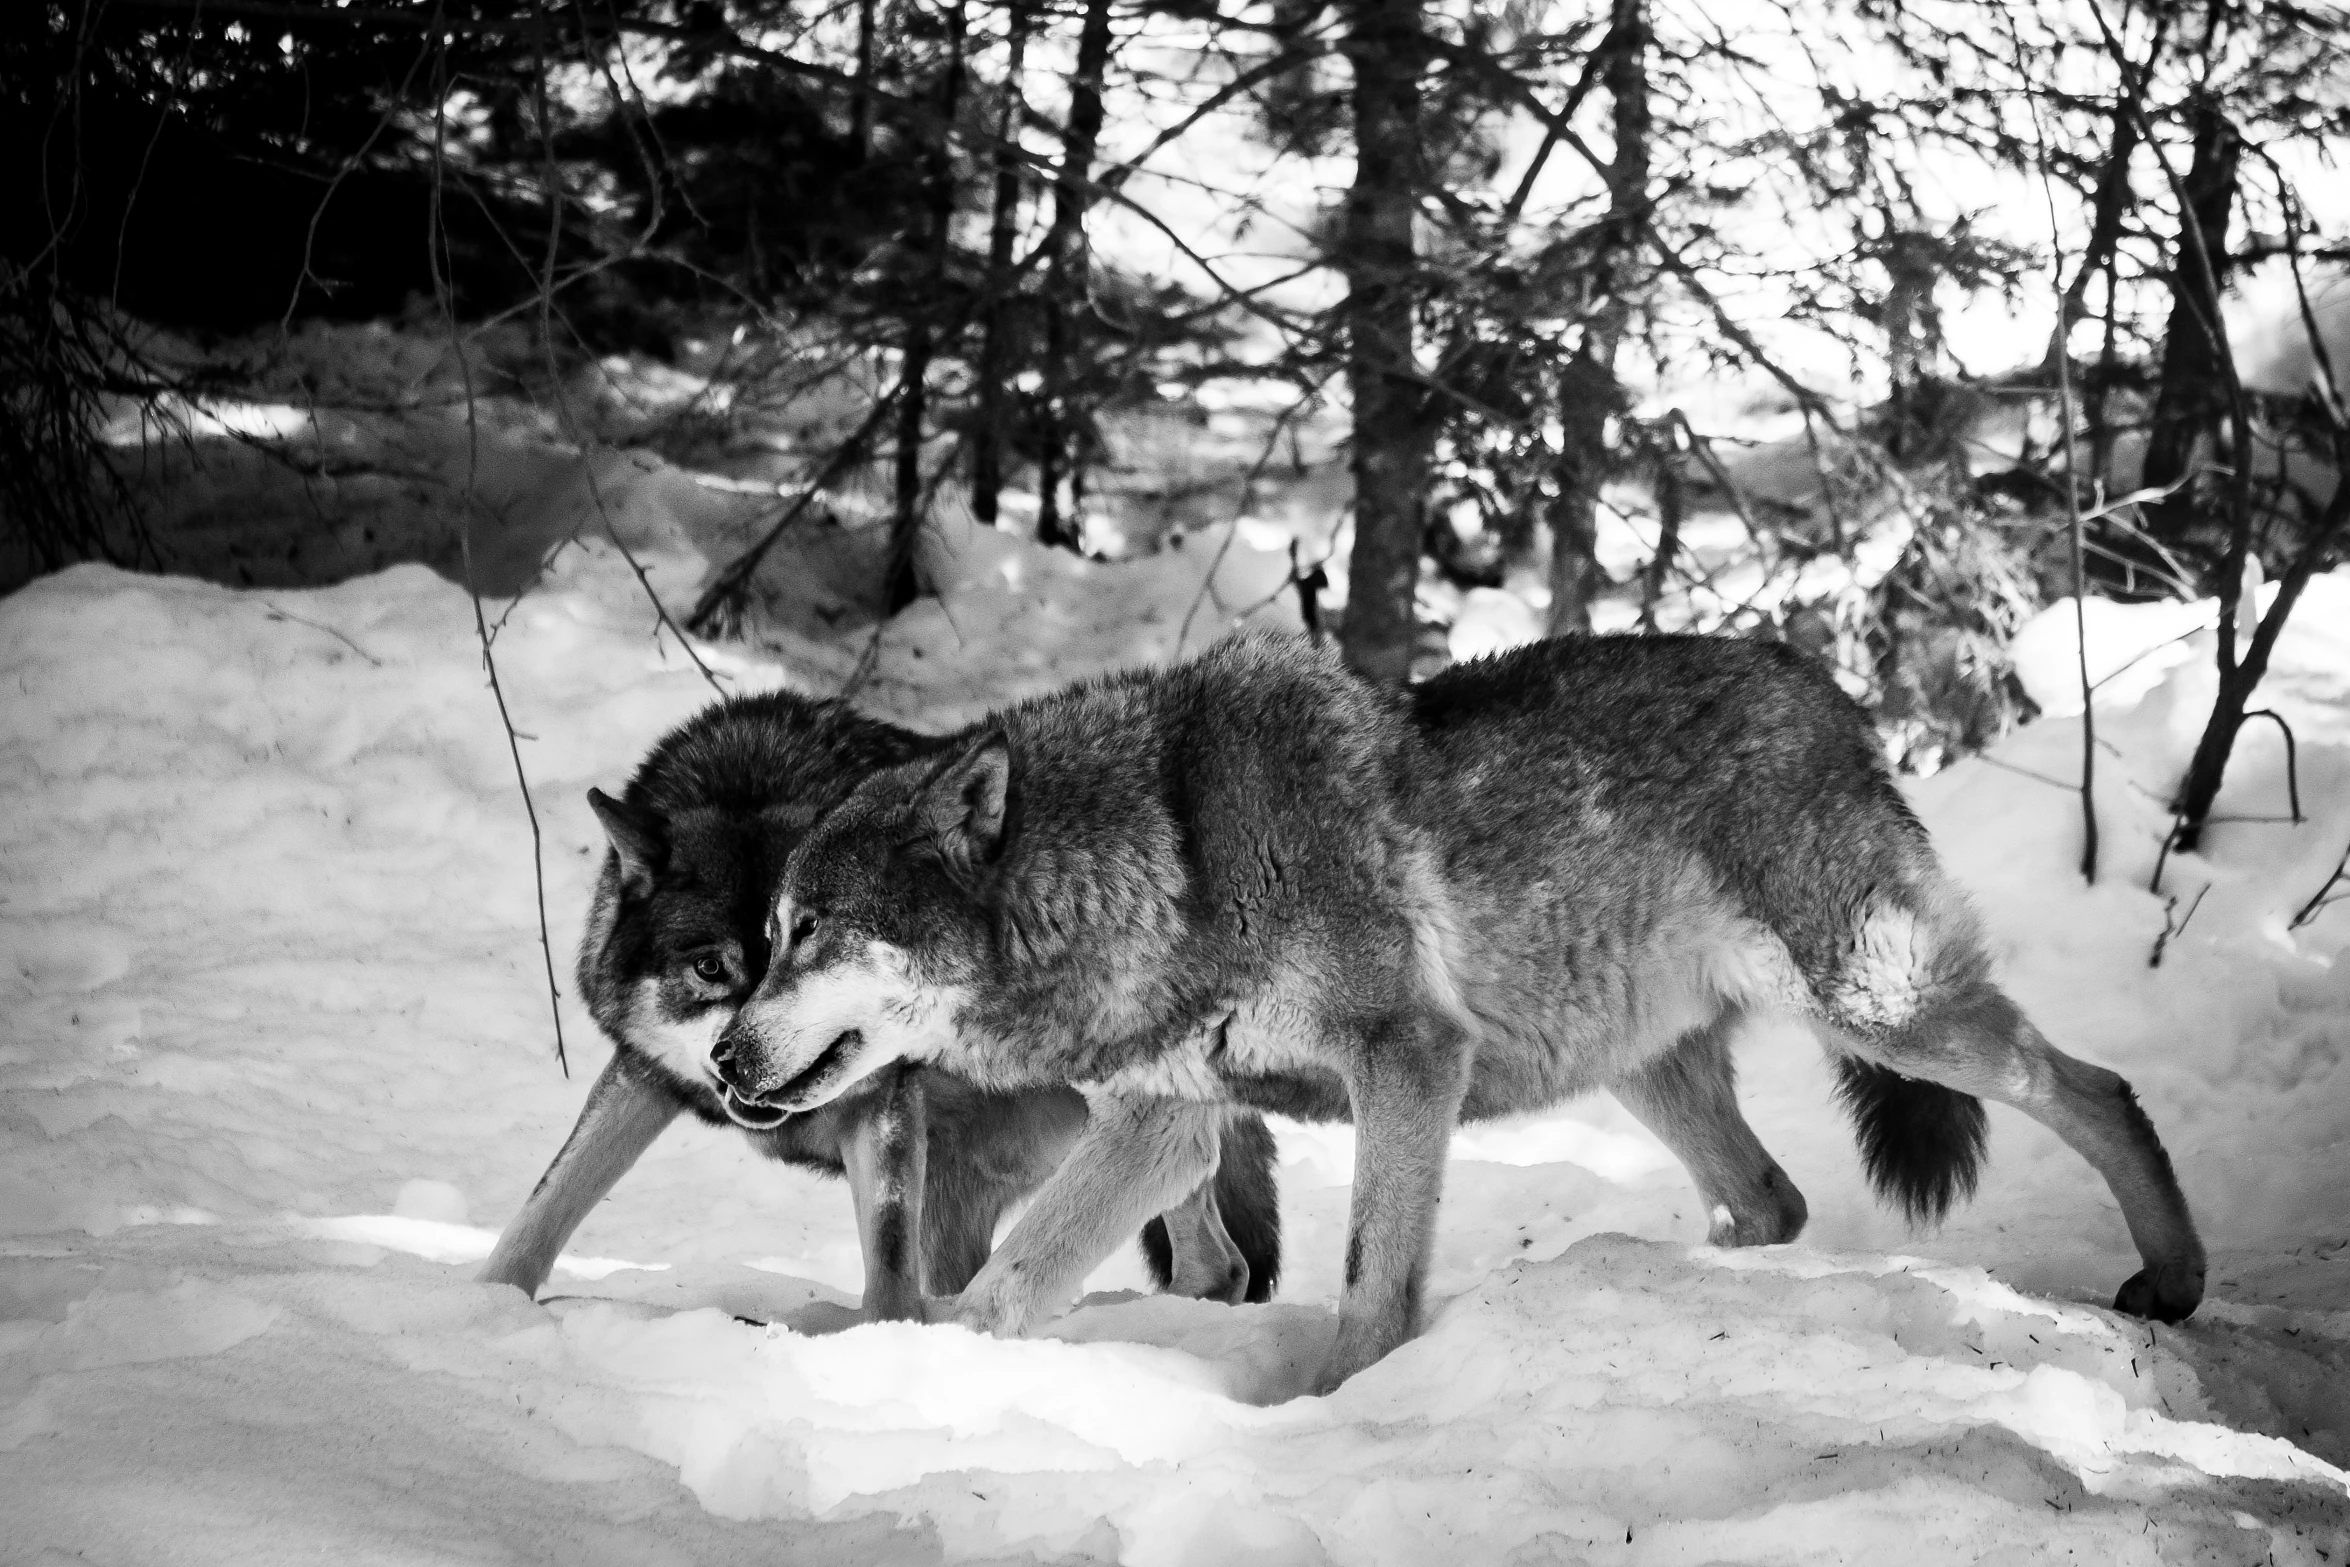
{"points": [[676, 941], [1254, 880]]}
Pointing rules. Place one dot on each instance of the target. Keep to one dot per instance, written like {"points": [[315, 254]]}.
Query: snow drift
{"points": [[277, 1064]]}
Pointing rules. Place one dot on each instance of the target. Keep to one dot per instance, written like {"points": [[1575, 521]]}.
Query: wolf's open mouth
{"points": [[800, 1091], [758, 1116]]}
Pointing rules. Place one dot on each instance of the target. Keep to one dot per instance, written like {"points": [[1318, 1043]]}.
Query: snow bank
{"points": [[277, 1063]]}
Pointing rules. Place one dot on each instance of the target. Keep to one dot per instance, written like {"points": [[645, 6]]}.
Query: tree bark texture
{"points": [[995, 351], [2194, 390], [901, 586], [1588, 391], [1067, 266], [1392, 436], [2115, 198], [861, 101]]}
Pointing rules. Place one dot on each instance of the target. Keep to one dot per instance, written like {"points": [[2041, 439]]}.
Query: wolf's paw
{"points": [[2169, 1293], [896, 1305], [1335, 1373], [1349, 1353], [1228, 1284], [1772, 1213], [938, 1309], [981, 1313], [524, 1275]]}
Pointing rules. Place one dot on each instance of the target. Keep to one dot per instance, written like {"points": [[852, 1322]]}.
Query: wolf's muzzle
{"points": [[816, 1084], [742, 1106], [740, 1060]]}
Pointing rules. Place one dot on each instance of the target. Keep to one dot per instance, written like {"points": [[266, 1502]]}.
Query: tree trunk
{"points": [[2194, 382], [1392, 436], [1068, 263], [1671, 511], [900, 586], [1586, 395], [2096, 401], [988, 440], [1588, 392], [861, 101], [2115, 198]]}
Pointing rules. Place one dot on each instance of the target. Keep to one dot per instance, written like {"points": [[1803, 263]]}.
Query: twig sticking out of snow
{"points": [[275, 613], [437, 237], [2325, 896], [2063, 357], [2169, 907], [2162, 858], [2292, 758]]}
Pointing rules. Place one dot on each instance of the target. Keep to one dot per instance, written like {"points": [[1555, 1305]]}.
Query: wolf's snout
{"points": [[738, 1094], [734, 1059]]}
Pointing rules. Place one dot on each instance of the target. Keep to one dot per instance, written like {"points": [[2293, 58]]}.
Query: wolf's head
{"points": [[677, 938], [880, 926]]}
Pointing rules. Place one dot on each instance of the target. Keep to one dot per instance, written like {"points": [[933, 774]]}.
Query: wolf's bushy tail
{"points": [[1249, 1199], [1921, 1143]]}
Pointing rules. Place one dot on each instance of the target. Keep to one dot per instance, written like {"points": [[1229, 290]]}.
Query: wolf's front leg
{"points": [[886, 1154], [618, 1123], [1135, 1158], [1405, 1085]]}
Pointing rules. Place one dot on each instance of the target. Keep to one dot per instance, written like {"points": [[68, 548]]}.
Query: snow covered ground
{"points": [[277, 1064]]}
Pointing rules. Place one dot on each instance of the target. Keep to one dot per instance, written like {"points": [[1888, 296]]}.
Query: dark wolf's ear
{"points": [[636, 837], [962, 809]]}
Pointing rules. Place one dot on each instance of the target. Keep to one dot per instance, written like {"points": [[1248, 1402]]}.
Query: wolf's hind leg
{"points": [[1202, 1259], [1689, 1098], [618, 1123], [886, 1156], [1246, 1221], [1979, 1042]]}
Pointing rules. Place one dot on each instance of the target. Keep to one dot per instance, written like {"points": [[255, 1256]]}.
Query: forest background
{"points": [[1741, 317]]}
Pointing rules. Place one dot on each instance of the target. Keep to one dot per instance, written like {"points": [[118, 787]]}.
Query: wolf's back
{"points": [[1748, 759]]}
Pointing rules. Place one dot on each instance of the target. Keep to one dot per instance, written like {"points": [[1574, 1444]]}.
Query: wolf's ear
{"points": [[636, 837], [962, 809]]}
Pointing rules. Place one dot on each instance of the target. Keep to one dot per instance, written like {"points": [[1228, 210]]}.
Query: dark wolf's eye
{"points": [[803, 926], [710, 969]]}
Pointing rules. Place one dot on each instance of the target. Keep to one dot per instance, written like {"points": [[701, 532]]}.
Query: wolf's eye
{"points": [[710, 969], [803, 926]]}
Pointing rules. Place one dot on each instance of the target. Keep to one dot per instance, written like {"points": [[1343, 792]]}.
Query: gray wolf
{"points": [[676, 941], [1253, 880]]}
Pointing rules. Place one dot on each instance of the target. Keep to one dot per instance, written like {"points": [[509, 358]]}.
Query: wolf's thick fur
{"points": [[1253, 879], [676, 940]]}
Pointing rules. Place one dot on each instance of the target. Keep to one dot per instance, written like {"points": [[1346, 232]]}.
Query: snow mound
{"points": [[278, 1059]]}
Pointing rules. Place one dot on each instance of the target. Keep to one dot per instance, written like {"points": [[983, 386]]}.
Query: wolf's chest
{"points": [[1260, 1038]]}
